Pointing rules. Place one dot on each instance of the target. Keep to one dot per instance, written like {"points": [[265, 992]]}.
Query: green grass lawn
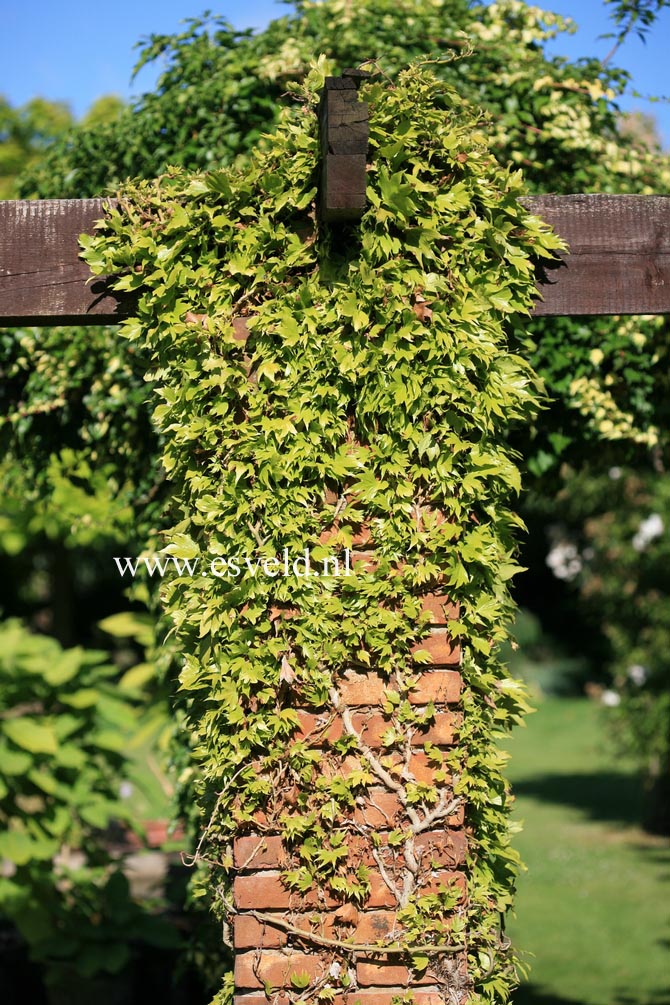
{"points": [[594, 905]]}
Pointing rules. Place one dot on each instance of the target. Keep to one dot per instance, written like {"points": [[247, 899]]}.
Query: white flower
{"points": [[564, 560], [125, 790], [610, 698], [638, 674], [615, 473], [649, 529]]}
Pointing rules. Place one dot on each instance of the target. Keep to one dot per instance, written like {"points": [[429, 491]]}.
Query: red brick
{"points": [[371, 926], [240, 329], [421, 768], [440, 648], [265, 891], [441, 731], [435, 881], [380, 895], [457, 819], [283, 612], [276, 967], [259, 999], [383, 810], [371, 727], [362, 688], [377, 996], [440, 608], [363, 561], [439, 686], [366, 927], [379, 809], [260, 852], [374, 926], [251, 934], [446, 847], [332, 767], [361, 996], [382, 973], [362, 538], [324, 728]]}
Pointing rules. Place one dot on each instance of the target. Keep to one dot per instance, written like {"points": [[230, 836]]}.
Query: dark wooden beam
{"points": [[42, 279], [619, 262], [344, 131]]}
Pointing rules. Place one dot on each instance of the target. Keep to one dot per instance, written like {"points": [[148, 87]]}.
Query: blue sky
{"points": [[75, 51]]}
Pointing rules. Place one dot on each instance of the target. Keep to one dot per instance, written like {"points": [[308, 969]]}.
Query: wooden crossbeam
{"points": [[619, 261], [42, 279]]}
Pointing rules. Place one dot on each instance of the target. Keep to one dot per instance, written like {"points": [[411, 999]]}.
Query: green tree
{"points": [[25, 132], [28, 131]]}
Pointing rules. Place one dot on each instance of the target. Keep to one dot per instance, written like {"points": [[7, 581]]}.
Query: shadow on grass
{"points": [[661, 997], [603, 796], [533, 994]]}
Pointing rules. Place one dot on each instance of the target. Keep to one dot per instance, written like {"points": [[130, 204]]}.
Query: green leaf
{"points": [[85, 698], [300, 980], [19, 848], [14, 762], [31, 735]]}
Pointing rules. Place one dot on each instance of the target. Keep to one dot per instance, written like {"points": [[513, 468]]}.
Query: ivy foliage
{"points": [[375, 390]]}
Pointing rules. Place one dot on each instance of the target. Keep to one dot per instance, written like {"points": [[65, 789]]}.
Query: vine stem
{"points": [[381, 772], [440, 812], [351, 947]]}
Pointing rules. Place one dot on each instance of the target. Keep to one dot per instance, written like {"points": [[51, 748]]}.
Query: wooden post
{"points": [[344, 146]]}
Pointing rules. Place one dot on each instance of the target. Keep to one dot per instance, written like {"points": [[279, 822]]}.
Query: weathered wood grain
{"points": [[344, 131], [42, 279], [619, 261]]}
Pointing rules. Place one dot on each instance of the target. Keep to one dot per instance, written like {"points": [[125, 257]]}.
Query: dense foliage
{"points": [[221, 88], [65, 723]]}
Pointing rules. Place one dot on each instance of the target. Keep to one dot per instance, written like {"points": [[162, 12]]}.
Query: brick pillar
{"points": [[295, 969]]}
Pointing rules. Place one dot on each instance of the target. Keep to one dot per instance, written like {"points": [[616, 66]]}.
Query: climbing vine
{"points": [[333, 388]]}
